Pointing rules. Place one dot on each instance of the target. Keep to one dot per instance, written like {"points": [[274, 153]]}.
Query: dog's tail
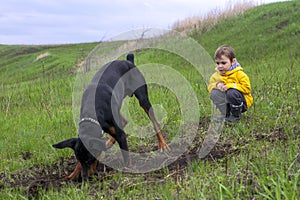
{"points": [[130, 57]]}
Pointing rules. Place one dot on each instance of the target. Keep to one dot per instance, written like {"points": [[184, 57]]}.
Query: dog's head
{"points": [[85, 158]]}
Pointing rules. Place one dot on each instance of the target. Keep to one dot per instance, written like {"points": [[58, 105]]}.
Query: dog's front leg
{"points": [[124, 148], [120, 136], [76, 172], [92, 169], [111, 141]]}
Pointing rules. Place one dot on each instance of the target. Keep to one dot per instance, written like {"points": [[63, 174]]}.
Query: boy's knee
{"points": [[233, 96], [217, 96]]}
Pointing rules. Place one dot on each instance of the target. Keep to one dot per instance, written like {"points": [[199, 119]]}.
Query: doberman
{"points": [[100, 110]]}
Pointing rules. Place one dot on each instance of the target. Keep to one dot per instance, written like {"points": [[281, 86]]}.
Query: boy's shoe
{"points": [[219, 117], [236, 113], [232, 118]]}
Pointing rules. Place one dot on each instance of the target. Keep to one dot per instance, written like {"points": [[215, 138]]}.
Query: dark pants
{"points": [[228, 101]]}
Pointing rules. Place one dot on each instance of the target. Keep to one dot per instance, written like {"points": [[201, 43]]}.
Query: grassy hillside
{"points": [[32, 63], [258, 158], [266, 31]]}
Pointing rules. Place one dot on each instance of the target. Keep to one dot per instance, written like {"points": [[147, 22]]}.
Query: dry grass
{"points": [[204, 23]]}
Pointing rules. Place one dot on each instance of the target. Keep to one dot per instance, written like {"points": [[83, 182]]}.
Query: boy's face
{"points": [[224, 63]]}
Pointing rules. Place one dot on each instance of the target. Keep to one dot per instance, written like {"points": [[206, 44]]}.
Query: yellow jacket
{"points": [[236, 79]]}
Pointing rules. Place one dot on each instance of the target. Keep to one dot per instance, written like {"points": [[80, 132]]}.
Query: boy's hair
{"points": [[225, 50]]}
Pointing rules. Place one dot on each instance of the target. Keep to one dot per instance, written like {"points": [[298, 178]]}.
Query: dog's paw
{"points": [[164, 147]]}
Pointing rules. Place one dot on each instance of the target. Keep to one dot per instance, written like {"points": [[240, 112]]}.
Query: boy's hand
{"points": [[222, 87]]}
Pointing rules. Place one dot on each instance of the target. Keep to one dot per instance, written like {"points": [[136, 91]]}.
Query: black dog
{"points": [[100, 110]]}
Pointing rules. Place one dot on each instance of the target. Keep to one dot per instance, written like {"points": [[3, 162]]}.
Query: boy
{"points": [[229, 86]]}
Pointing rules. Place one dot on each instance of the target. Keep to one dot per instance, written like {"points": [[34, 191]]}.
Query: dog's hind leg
{"points": [[142, 95], [162, 145]]}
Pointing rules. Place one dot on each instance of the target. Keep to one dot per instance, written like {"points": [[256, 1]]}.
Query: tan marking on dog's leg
{"points": [[92, 169], [110, 142], [76, 172], [162, 145], [112, 130]]}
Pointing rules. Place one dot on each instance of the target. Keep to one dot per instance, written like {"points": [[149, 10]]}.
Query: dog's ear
{"points": [[67, 143]]}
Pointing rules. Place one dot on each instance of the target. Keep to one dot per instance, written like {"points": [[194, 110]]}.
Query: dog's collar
{"points": [[90, 120]]}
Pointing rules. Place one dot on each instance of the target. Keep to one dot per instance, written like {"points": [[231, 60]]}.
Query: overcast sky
{"points": [[76, 21]]}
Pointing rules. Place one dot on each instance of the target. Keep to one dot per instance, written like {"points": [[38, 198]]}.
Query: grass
{"points": [[259, 157], [203, 24]]}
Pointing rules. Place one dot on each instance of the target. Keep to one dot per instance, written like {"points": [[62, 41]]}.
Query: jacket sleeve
{"points": [[212, 83], [242, 84]]}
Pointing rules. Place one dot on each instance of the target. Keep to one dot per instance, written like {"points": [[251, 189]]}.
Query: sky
{"points": [[79, 21]]}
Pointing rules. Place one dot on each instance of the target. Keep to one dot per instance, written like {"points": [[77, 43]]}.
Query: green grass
{"points": [[263, 161]]}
